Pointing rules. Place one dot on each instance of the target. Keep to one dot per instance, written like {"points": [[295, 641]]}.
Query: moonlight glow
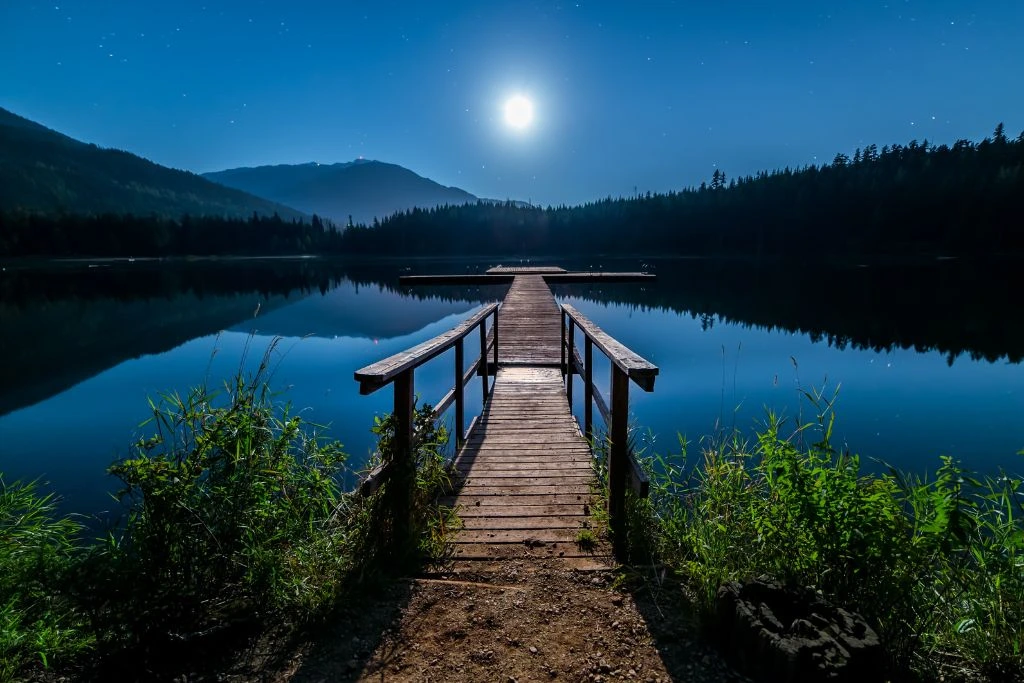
{"points": [[519, 112]]}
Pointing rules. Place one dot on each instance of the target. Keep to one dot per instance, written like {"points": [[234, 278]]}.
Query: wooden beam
{"points": [[638, 480], [618, 458], [636, 368], [412, 280], [609, 278], [373, 377]]}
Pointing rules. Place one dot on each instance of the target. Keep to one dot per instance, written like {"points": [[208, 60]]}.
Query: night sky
{"points": [[626, 96]]}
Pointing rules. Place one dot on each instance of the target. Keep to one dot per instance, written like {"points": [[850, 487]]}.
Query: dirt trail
{"points": [[522, 620]]}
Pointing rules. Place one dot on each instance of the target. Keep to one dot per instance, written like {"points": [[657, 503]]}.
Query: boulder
{"points": [[776, 633]]}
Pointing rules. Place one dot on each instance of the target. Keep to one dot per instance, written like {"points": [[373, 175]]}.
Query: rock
{"points": [[775, 633]]}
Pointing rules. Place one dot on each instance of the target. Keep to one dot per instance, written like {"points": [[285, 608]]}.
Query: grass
{"points": [[234, 515], [935, 564], [39, 623], [233, 509], [586, 540]]}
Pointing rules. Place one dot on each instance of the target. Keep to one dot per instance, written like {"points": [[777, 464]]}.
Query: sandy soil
{"points": [[525, 621]]}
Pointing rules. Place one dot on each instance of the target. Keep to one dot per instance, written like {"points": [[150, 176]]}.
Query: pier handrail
{"points": [[626, 366], [399, 369]]}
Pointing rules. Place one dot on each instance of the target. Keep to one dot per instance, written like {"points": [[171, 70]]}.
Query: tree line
{"points": [[958, 199], [24, 234], [919, 198]]}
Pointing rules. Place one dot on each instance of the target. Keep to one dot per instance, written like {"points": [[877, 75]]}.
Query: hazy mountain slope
{"points": [[42, 170], [361, 189]]}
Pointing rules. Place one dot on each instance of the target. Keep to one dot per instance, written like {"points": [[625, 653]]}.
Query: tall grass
{"points": [[234, 515], [39, 623], [935, 564], [403, 523], [232, 509]]}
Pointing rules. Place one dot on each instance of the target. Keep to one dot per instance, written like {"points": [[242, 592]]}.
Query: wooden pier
{"points": [[523, 472]]}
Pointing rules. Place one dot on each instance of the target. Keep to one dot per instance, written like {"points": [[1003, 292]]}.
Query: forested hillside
{"points": [[963, 199], [43, 171], [959, 199]]}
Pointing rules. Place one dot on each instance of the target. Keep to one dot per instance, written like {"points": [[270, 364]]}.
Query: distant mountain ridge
{"points": [[43, 171], [363, 189]]}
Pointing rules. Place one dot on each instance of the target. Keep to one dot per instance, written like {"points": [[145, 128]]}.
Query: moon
{"points": [[519, 112]]}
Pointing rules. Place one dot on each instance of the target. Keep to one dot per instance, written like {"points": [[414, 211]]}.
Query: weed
{"points": [[586, 540]]}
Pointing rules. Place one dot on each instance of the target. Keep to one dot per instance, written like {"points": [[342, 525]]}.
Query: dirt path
{"points": [[527, 621]]}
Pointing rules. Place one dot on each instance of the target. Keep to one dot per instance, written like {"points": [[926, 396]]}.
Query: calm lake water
{"points": [[925, 363]]}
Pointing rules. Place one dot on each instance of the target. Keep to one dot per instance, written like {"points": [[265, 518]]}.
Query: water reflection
{"points": [[84, 347]]}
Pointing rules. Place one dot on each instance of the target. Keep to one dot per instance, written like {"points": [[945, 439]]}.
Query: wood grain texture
{"points": [[526, 270], [525, 472], [636, 367], [529, 323], [375, 376], [523, 476]]}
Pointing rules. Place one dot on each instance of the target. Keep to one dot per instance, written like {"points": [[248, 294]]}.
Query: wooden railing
{"points": [[399, 370], [626, 366]]}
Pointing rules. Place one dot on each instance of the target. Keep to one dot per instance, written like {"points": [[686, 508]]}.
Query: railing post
{"points": [[618, 459], [562, 346], [495, 328], [570, 355], [459, 394], [483, 359], [588, 389], [402, 465]]}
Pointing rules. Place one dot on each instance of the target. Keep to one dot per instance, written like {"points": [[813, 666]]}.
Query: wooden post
{"points": [[460, 408], [495, 328], [618, 459], [483, 360], [570, 355], [402, 466], [588, 389], [562, 346]]}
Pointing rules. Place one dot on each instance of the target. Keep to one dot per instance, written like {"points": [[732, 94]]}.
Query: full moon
{"points": [[519, 112]]}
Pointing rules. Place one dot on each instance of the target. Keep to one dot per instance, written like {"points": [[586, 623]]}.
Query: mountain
{"points": [[44, 171], [362, 189]]}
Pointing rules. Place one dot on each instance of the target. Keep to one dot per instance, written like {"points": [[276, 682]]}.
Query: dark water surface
{"points": [[926, 355]]}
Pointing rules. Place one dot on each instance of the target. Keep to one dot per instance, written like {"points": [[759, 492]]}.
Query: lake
{"points": [[926, 355]]}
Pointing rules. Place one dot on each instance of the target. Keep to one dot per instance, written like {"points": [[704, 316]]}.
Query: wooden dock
{"points": [[524, 479], [529, 324], [525, 473]]}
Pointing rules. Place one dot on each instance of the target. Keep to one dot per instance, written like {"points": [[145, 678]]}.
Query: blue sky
{"points": [[651, 96]]}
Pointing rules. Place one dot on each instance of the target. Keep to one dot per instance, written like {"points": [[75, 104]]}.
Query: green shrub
{"points": [[232, 508], [936, 566], [38, 621], [234, 515], [402, 523]]}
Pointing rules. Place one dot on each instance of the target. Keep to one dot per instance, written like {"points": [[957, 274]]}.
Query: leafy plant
{"points": [[586, 539], [404, 523], [232, 508], [936, 566]]}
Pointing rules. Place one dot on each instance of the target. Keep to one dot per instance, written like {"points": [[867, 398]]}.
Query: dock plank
{"points": [[525, 473]]}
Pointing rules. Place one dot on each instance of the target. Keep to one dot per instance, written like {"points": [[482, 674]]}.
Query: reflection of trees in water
{"points": [[64, 325], [957, 308]]}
